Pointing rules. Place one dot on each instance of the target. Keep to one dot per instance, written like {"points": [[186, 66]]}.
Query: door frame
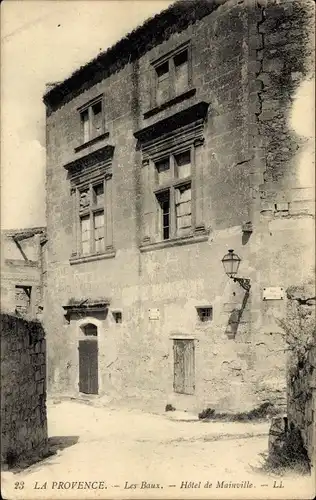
{"points": [[80, 336]]}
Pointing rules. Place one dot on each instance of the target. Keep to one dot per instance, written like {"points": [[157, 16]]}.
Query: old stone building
{"points": [[23, 271], [190, 137]]}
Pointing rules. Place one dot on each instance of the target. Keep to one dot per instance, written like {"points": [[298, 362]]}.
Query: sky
{"points": [[45, 41]]}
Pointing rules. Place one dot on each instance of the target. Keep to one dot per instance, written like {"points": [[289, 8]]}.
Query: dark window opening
{"points": [[164, 204], [205, 313], [117, 315], [23, 299], [90, 330]]}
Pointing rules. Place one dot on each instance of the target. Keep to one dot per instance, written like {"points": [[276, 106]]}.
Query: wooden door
{"points": [[88, 366], [183, 354]]}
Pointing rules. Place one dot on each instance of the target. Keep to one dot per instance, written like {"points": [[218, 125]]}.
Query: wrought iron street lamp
{"points": [[231, 263]]}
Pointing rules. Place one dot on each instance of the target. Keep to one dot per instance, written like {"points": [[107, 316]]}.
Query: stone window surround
{"points": [[108, 251], [154, 107], [85, 172], [173, 183], [188, 137], [88, 107]]}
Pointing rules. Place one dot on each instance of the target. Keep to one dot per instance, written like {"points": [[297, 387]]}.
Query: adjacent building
{"points": [[190, 137], [23, 271]]}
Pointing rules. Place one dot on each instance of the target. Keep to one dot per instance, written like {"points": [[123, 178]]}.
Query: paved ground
{"points": [[116, 448]]}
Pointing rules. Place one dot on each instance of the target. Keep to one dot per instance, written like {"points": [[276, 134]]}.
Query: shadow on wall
{"points": [[235, 317], [55, 444]]}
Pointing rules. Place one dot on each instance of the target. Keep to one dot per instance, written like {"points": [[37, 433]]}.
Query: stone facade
{"points": [[23, 271], [252, 190], [301, 373], [23, 389]]}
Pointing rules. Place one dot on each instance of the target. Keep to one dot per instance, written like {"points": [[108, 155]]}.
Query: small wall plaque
{"points": [[273, 293], [154, 314]]}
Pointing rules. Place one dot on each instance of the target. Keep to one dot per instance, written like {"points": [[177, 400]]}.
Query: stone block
{"points": [[256, 41], [265, 78], [40, 388], [267, 115], [279, 12], [255, 67], [256, 85], [43, 371], [275, 65], [268, 104]]}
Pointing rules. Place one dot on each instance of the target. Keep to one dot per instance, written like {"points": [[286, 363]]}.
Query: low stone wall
{"points": [[301, 373], [23, 389]]}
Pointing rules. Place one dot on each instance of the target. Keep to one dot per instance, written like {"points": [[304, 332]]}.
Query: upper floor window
{"points": [[174, 195], [92, 122], [172, 75], [92, 223]]}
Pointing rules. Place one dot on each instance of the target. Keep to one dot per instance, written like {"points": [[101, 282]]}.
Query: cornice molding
{"points": [[91, 166], [192, 115], [180, 131], [99, 156], [153, 32]]}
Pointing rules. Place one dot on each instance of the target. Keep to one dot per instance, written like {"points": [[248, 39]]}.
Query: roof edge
{"points": [[134, 45], [26, 230]]}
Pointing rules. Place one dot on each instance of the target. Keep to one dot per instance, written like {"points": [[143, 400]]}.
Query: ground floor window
{"points": [[184, 366]]}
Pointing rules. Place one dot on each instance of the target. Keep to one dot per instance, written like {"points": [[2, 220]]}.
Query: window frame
{"points": [[169, 58], [171, 186], [91, 210], [204, 318], [88, 108]]}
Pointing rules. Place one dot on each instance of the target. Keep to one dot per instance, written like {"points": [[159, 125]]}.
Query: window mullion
{"points": [[172, 213], [172, 198]]}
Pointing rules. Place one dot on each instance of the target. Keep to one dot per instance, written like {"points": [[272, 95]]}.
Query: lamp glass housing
{"points": [[231, 263]]}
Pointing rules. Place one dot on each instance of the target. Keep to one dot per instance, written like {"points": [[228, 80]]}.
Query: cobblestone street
{"points": [[128, 450]]}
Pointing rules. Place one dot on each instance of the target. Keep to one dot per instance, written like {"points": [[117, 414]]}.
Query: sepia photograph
{"points": [[158, 305]]}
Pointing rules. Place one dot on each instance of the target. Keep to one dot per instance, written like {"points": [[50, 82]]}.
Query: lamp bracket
{"points": [[243, 282]]}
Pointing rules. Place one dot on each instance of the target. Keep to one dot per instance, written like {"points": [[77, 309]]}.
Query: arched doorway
{"points": [[88, 359]]}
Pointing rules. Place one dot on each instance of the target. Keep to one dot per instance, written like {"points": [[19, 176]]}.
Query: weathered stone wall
{"points": [[235, 368], [23, 389], [301, 372]]}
